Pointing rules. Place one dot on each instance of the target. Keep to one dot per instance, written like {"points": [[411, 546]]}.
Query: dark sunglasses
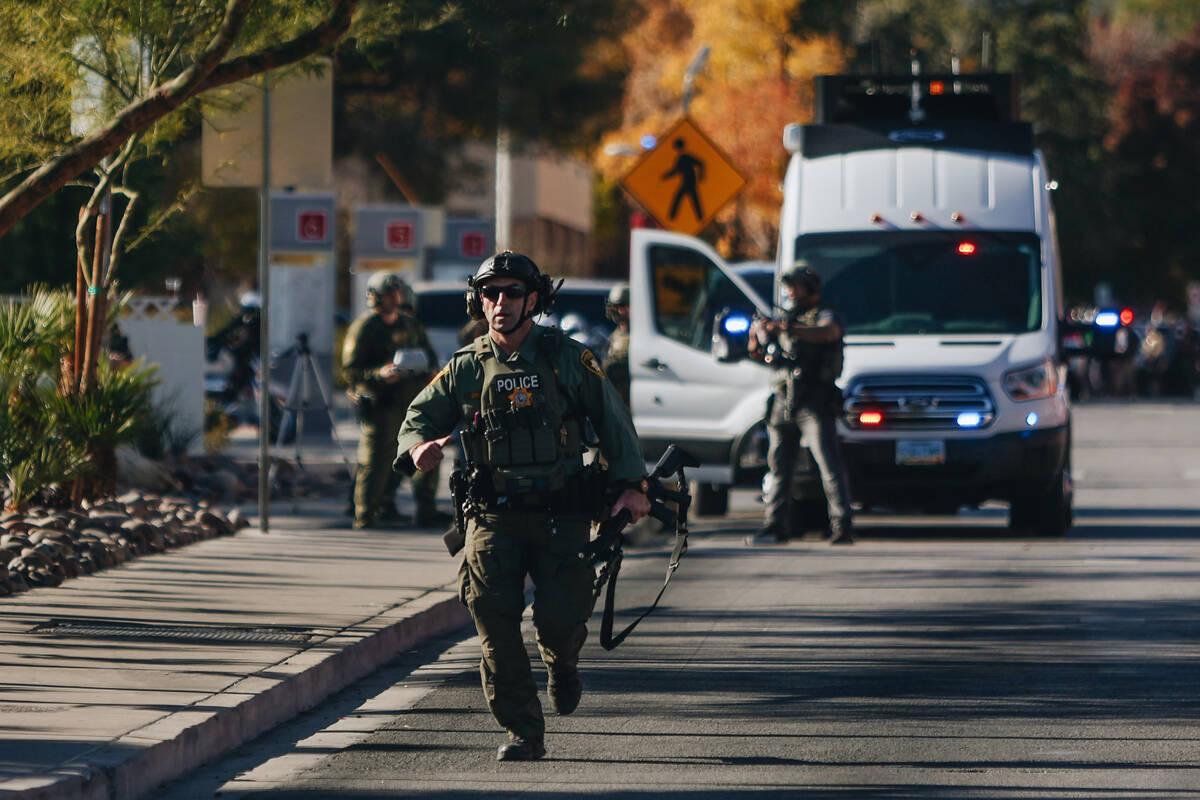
{"points": [[512, 292]]}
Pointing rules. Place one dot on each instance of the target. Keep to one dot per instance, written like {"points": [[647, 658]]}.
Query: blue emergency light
{"points": [[735, 325], [1108, 319], [969, 419]]}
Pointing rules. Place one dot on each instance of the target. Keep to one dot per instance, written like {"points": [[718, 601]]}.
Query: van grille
{"points": [[918, 403]]}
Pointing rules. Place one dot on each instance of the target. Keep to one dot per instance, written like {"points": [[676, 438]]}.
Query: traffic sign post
{"points": [[685, 180]]}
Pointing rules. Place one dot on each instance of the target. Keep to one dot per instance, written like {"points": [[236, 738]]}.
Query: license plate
{"points": [[911, 453]]}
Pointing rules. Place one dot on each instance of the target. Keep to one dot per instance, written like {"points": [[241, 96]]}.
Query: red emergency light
{"points": [[1126, 316], [870, 418], [966, 248], [937, 87]]}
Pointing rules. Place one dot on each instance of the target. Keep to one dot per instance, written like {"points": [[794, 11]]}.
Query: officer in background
{"points": [[424, 484], [522, 392], [374, 343], [616, 360], [805, 349]]}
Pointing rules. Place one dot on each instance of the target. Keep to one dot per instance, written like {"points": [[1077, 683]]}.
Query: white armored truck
{"points": [[926, 209]]}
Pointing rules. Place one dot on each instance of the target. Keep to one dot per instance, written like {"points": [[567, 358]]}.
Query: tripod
{"points": [[304, 375]]}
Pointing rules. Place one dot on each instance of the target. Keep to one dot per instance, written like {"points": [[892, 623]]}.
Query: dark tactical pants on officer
{"points": [[376, 483], [812, 425], [501, 549]]}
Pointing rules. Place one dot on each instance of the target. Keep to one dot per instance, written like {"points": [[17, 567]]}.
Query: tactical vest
{"points": [[526, 435], [812, 366]]}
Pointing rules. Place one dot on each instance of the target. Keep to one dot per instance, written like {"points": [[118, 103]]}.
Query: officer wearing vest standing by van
{"points": [[616, 360], [521, 392], [374, 362], [805, 349]]}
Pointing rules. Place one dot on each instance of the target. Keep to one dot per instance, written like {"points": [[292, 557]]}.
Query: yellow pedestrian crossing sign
{"points": [[683, 181]]}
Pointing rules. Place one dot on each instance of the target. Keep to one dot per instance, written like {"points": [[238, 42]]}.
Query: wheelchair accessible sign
{"points": [[685, 180]]}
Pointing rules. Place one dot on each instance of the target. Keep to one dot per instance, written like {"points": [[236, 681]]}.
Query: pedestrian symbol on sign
{"points": [[684, 180], [691, 172]]}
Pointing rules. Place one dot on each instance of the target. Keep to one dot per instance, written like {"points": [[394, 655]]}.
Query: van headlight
{"points": [[1031, 383]]}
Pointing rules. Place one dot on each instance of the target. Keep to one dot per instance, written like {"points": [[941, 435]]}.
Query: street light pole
{"points": [[264, 337], [689, 75]]}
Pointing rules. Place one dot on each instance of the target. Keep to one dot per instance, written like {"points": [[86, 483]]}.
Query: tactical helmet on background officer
{"points": [[801, 273], [510, 265], [617, 296], [383, 282]]}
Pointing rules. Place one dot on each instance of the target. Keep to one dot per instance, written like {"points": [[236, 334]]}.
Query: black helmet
{"points": [[803, 274], [510, 265]]}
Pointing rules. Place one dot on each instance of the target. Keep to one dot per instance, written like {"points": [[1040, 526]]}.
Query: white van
{"points": [[926, 210]]}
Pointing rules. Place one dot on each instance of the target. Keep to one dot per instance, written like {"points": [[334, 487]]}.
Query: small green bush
{"points": [[48, 436]]}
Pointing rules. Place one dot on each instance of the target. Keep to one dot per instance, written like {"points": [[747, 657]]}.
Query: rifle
{"points": [[606, 549]]}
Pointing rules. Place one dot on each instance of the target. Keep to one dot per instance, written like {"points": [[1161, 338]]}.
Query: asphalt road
{"points": [[938, 657]]}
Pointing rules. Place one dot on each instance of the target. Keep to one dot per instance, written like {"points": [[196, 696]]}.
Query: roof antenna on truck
{"points": [[915, 112]]}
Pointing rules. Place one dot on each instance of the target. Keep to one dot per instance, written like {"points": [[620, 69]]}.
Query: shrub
{"points": [[49, 436]]}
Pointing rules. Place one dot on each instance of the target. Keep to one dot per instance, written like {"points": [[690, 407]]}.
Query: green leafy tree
{"points": [[88, 86]]}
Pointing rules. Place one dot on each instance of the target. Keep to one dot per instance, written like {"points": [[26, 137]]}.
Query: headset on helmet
{"points": [[510, 265], [802, 273]]}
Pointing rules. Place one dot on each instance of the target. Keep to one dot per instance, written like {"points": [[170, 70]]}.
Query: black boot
{"points": [[564, 688], [521, 749], [842, 534]]}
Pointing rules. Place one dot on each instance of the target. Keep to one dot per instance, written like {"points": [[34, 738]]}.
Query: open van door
{"points": [[678, 391]]}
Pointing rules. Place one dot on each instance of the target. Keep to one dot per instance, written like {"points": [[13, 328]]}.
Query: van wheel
{"points": [[710, 499], [1047, 512]]}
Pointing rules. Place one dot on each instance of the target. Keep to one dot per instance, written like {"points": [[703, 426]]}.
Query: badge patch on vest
{"points": [[589, 361], [520, 388]]}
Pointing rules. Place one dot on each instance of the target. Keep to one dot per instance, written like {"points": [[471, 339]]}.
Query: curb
{"points": [[135, 764]]}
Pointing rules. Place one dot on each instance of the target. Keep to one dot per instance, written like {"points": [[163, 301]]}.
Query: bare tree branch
{"points": [[117, 251], [207, 73]]}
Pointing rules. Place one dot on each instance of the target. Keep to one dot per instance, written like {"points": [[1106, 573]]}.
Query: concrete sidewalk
{"points": [[239, 634]]}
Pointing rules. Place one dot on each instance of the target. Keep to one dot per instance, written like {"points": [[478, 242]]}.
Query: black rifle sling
{"points": [[607, 640]]}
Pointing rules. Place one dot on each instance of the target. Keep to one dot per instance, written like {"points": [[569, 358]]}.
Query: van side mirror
{"points": [[731, 335]]}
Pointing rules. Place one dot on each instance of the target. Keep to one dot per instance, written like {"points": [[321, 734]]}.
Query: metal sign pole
{"points": [[264, 338]]}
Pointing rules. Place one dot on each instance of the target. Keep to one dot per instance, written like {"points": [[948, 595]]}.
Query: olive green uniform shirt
{"points": [[371, 343], [453, 397]]}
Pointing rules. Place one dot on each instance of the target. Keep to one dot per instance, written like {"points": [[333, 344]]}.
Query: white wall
{"points": [[177, 348]]}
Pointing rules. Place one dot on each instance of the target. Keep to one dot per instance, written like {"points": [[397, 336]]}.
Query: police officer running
{"points": [[384, 389], [616, 360], [805, 349], [521, 392]]}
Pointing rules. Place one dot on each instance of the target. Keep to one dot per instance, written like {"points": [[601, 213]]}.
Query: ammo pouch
{"points": [[521, 436]]}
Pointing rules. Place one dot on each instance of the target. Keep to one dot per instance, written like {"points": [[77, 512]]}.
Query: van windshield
{"points": [[938, 282]]}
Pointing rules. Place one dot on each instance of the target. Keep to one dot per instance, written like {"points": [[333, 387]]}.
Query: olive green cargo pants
{"points": [[501, 550], [376, 482]]}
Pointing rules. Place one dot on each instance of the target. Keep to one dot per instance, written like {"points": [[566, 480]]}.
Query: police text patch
{"points": [[520, 388]]}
